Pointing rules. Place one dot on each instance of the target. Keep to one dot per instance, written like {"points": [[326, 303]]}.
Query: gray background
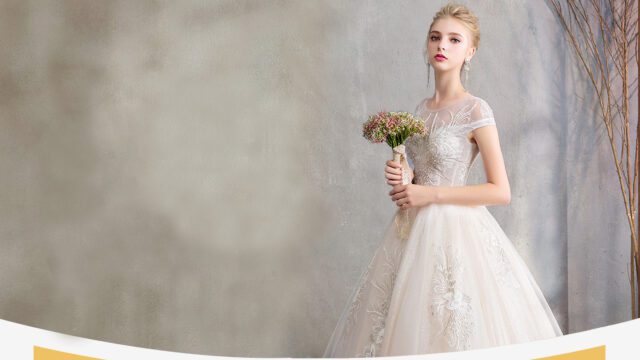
{"points": [[191, 176]]}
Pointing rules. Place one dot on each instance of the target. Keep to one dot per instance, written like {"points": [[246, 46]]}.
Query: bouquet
{"points": [[394, 128]]}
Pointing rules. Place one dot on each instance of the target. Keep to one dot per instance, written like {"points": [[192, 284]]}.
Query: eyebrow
{"points": [[451, 33]]}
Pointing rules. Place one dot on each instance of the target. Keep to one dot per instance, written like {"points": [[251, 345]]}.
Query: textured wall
{"points": [[191, 176]]}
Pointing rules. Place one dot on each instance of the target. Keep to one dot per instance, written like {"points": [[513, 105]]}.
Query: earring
{"points": [[428, 73], [466, 71]]}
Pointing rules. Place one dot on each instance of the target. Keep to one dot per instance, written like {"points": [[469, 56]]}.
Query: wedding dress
{"points": [[456, 282]]}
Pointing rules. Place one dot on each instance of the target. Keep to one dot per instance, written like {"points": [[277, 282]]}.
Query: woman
{"points": [[455, 282]]}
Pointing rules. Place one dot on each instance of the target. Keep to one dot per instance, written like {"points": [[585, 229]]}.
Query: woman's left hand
{"points": [[412, 195]]}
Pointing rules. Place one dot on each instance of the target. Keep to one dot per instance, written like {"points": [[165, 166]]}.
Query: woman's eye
{"points": [[434, 38]]}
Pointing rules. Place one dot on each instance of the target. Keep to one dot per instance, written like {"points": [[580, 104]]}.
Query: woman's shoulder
{"points": [[482, 106], [481, 110], [420, 105], [479, 100]]}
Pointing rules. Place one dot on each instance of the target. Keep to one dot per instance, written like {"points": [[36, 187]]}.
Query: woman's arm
{"points": [[496, 191]]}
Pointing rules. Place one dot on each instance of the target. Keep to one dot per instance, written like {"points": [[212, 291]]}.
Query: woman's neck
{"points": [[440, 98], [448, 88]]}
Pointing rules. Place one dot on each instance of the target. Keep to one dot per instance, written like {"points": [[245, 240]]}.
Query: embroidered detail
{"points": [[352, 318], [499, 262], [449, 303], [378, 311], [463, 115], [435, 155], [444, 155]]}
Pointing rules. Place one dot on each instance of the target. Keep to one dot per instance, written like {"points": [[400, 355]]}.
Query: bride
{"points": [[455, 282]]}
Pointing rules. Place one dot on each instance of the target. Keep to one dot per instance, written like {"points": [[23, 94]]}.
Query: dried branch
{"points": [[605, 52]]}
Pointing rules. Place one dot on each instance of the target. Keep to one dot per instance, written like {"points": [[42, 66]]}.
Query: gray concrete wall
{"points": [[191, 176]]}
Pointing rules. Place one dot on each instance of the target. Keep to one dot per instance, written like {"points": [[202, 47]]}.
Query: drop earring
{"points": [[466, 71], [428, 73]]}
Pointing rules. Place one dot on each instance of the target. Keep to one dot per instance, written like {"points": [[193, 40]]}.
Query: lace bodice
{"points": [[444, 155]]}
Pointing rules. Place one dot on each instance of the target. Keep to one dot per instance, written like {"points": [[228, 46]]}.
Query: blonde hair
{"points": [[462, 14]]}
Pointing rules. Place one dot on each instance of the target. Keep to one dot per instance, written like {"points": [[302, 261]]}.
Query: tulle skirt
{"points": [[455, 283]]}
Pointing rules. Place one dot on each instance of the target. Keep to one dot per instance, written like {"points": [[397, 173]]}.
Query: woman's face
{"points": [[450, 38]]}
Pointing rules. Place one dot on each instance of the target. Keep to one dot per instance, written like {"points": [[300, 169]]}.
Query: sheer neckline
{"points": [[468, 97]]}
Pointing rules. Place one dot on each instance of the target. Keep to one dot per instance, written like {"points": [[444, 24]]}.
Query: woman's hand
{"points": [[411, 195], [393, 172]]}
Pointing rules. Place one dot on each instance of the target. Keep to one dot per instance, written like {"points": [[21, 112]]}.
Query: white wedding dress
{"points": [[456, 282]]}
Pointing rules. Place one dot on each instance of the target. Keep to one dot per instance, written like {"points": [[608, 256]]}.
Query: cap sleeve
{"points": [[481, 115]]}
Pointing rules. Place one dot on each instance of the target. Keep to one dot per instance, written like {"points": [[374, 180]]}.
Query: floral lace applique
{"points": [[443, 156], [378, 311], [352, 318], [499, 262], [449, 303], [434, 155]]}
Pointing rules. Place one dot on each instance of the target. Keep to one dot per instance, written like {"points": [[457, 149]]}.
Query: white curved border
{"points": [[17, 342]]}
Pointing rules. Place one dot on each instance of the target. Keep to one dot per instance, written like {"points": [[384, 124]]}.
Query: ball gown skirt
{"points": [[455, 283]]}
